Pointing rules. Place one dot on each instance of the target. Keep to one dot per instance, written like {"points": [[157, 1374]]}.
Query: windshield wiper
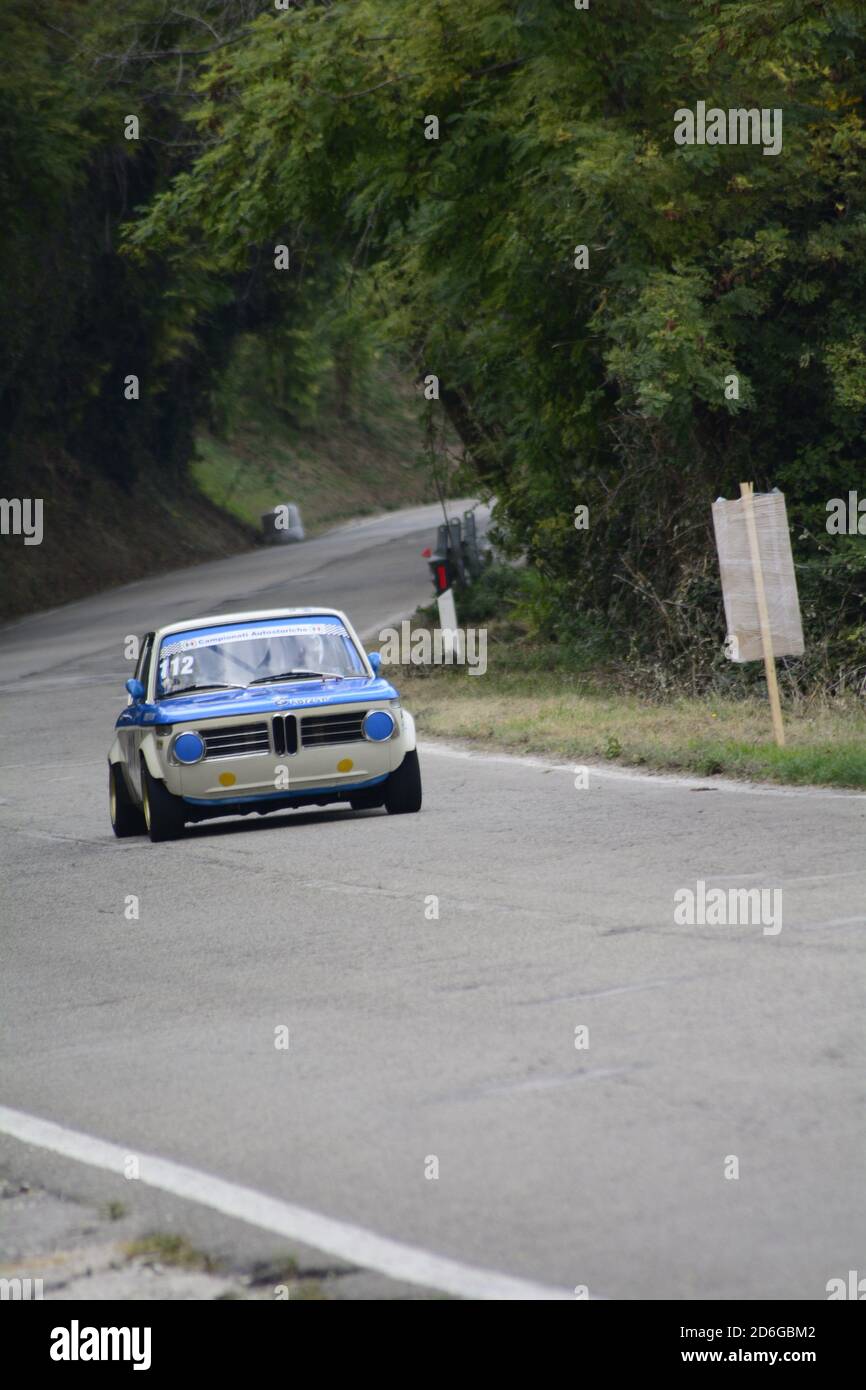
{"points": [[188, 689], [291, 675]]}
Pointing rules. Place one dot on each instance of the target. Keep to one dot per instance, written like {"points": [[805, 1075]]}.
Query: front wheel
{"points": [[126, 818], [163, 813], [403, 787], [367, 800]]}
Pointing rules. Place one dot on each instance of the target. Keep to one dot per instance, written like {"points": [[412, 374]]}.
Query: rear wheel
{"points": [[126, 818], [163, 813], [403, 787]]}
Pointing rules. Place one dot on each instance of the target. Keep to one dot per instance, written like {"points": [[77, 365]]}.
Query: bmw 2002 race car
{"points": [[257, 712]]}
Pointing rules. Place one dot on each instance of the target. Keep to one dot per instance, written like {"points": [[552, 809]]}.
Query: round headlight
{"points": [[188, 748], [378, 725]]}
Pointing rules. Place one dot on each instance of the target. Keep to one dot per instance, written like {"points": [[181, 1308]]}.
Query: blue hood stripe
{"points": [[228, 704]]}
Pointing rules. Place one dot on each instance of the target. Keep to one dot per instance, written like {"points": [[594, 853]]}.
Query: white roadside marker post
{"points": [[447, 623]]}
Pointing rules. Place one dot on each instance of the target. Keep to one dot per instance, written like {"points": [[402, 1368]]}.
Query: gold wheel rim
{"points": [[112, 801], [146, 803]]}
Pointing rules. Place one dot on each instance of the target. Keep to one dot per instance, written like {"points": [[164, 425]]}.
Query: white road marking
{"points": [[646, 779], [406, 1263], [834, 922], [612, 989], [546, 1083], [41, 767], [787, 882]]}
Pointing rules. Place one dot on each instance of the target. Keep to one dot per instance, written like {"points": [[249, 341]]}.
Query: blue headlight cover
{"points": [[378, 725], [188, 748]]}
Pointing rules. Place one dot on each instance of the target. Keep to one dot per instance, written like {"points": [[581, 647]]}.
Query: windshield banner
{"points": [[212, 637]]}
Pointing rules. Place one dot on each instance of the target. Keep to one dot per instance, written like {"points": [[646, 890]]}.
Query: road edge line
{"points": [[404, 1263]]}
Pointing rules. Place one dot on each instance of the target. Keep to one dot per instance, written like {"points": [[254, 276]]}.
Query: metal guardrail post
{"points": [[471, 553], [455, 542]]}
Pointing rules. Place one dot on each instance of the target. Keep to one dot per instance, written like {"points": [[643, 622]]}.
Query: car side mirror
{"points": [[375, 661], [135, 688]]}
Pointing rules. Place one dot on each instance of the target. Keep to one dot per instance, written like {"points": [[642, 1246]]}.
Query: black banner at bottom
{"points": [[222, 1337]]}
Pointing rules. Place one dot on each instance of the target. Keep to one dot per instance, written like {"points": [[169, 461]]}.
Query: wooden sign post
{"points": [[746, 491]]}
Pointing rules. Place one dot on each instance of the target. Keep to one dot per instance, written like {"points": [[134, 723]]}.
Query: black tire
{"points": [[403, 787], [126, 817], [163, 813], [367, 800]]}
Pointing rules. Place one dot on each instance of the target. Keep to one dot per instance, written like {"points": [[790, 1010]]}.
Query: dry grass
{"points": [[568, 717], [168, 1249]]}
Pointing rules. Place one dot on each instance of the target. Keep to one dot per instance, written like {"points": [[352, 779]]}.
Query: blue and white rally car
{"points": [[257, 712]]}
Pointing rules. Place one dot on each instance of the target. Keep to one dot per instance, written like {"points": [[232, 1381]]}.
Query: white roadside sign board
{"points": [[741, 581]]}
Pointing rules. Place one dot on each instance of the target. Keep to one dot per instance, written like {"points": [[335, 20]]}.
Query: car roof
{"points": [[247, 616]]}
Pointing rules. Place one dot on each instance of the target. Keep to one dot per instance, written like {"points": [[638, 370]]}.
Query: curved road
{"points": [[418, 1041]]}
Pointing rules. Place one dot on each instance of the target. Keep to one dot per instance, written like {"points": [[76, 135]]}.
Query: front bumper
{"points": [[326, 771]]}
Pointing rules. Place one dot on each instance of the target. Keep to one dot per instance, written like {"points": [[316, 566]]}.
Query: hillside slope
{"points": [[98, 534]]}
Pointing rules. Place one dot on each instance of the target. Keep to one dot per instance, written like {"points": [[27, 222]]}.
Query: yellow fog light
{"points": [[227, 779], [345, 765]]}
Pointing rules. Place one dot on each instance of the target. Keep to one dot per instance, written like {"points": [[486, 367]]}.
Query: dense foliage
{"points": [[602, 386], [78, 317]]}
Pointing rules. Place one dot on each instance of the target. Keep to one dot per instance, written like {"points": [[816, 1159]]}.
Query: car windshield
{"points": [[240, 654]]}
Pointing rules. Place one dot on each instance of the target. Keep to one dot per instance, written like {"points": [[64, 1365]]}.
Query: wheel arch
{"points": [[150, 757], [409, 736]]}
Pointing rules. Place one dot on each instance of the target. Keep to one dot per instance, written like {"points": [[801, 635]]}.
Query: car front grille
{"points": [[285, 727], [321, 729], [236, 740]]}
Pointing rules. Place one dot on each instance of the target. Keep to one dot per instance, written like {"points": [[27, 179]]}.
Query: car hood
{"points": [[281, 697]]}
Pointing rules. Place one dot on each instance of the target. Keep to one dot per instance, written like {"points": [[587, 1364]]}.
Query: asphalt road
{"points": [[414, 1038]]}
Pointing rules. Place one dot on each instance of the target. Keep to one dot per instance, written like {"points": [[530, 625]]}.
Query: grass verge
{"points": [[527, 703], [169, 1249]]}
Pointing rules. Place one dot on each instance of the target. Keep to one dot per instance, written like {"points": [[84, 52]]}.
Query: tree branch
{"points": [[169, 52]]}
